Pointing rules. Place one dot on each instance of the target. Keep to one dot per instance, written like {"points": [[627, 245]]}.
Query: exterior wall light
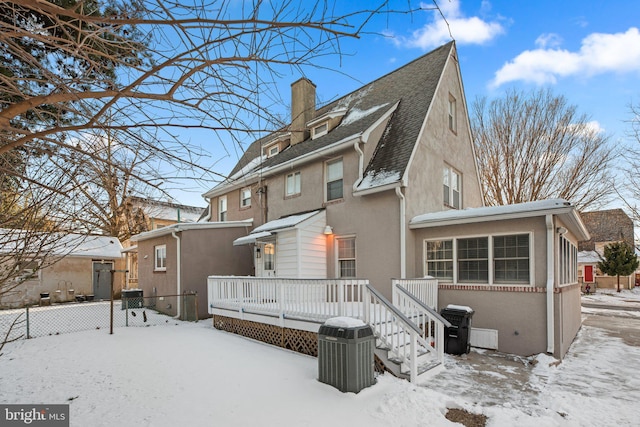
{"points": [[328, 230]]}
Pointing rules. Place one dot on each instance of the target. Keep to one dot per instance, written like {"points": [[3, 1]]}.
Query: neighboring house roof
{"points": [[494, 213], [606, 226], [189, 226], [60, 244], [168, 211], [405, 93]]}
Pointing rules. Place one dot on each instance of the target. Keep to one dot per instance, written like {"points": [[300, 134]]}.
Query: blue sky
{"points": [[588, 51]]}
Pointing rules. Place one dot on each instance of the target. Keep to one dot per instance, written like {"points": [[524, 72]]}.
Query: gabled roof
{"points": [[411, 87]]}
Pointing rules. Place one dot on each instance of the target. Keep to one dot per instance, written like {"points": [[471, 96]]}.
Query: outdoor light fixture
{"points": [[257, 252], [561, 230], [328, 230]]}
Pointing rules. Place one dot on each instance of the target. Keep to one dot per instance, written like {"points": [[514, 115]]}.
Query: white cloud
{"points": [[548, 40], [599, 54], [465, 30]]}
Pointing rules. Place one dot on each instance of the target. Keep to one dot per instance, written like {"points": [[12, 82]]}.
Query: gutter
{"points": [[403, 234], [550, 281], [178, 276], [313, 155]]}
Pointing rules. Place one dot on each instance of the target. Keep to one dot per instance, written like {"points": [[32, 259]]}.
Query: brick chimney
{"points": [[303, 108]]}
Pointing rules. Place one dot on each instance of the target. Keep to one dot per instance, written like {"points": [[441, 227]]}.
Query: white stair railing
{"points": [[394, 330], [430, 322]]}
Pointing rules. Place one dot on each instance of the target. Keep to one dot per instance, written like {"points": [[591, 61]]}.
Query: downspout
{"points": [[403, 234], [356, 146], [178, 284], [550, 282], [208, 217]]}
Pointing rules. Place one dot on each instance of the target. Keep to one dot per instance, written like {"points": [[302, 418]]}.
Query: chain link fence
{"points": [[132, 310]]}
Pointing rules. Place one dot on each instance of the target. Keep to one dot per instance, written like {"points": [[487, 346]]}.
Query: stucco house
{"points": [[381, 184], [605, 227], [82, 269]]}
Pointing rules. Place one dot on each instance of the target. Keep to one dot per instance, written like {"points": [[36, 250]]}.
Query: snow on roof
{"points": [[247, 168], [588, 257], [519, 209], [93, 246], [289, 221], [373, 179], [356, 114], [59, 244]]}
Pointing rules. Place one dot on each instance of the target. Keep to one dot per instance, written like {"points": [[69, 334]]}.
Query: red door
{"points": [[588, 273]]}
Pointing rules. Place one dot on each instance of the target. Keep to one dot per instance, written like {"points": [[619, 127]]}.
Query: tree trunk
{"points": [[618, 283]]}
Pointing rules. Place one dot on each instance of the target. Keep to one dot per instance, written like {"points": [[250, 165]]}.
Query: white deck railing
{"points": [[425, 289], [308, 299]]}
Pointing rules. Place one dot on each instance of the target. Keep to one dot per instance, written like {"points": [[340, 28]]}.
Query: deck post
{"points": [[341, 289]]}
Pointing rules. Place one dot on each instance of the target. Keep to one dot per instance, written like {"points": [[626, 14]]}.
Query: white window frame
{"points": [[452, 114], [320, 130], [567, 262], [440, 260], [222, 208], [327, 182], [490, 261], [512, 257], [294, 188], [452, 187], [339, 259], [273, 150], [245, 198], [160, 258], [477, 259]]}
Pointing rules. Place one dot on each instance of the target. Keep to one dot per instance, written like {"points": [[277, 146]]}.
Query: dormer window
{"points": [[273, 150], [320, 130], [325, 123]]}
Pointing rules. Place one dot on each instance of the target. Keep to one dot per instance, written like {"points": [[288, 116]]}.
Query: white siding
{"points": [[287, 254], [313, 248]]}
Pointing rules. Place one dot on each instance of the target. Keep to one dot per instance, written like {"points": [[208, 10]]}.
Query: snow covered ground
{"points": [[192, 374]]}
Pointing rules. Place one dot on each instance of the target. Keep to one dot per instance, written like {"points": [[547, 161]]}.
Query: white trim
{"points": [[251, 238], [178, 270], [337, 255], [327, 116], [550, 281], [317, 134], [403, 234], [490, 257], [155, 258]]}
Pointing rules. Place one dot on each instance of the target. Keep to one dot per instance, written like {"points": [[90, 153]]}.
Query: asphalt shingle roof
{"points": [[412, 85]]}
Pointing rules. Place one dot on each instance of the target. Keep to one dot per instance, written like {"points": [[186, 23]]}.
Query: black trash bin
{"points": [[131, 298], [457, 337], [345, 355]]}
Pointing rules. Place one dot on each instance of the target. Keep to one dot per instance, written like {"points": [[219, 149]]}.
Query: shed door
{"points": [[102, 280], [588, 273]]}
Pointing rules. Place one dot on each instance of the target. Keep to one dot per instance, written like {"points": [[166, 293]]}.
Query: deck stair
{"points": [[409, 335]]}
